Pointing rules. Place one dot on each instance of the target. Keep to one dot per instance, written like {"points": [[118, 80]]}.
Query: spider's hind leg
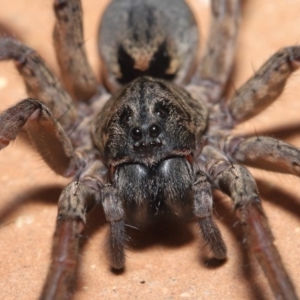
{"points": [[70, 50], [215, 66]]}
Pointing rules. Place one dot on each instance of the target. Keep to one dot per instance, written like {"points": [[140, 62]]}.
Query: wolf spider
{"points": [[213, 168]]}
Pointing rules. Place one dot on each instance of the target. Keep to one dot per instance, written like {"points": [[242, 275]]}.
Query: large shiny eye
{"points": [[136, 133], [154, 130], [161, 110], [126, 116]]}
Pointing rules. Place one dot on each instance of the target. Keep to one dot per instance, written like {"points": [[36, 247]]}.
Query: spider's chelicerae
{"points": [[155, 150]]}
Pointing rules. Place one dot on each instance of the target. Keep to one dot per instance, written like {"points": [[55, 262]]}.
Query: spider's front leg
{"points": [[76, 200], [236, 181]]}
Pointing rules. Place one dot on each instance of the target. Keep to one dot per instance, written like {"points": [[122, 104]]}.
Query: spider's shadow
{"points": [[279, 197], [48, 195]]}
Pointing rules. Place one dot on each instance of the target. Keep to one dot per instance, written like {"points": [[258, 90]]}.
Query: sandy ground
{"points": [[168, 263]]}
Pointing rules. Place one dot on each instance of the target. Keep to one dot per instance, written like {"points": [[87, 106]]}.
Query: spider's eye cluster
{"points": [[126, 116], [161, 110], [136, 133], [154, 130]]}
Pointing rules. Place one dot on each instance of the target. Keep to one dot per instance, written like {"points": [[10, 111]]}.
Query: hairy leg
{"points": [[237, 182], [114, 214], [39, 80], [215, 66], [75, 201], [45, 132], [264, 153], [265, 86], [203, 210], [70, 50]]}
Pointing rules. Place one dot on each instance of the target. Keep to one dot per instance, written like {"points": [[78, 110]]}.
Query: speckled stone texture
{"points": [[167, 263]]}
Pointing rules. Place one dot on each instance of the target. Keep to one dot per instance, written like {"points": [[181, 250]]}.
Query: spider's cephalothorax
{"points": [[147, 121], [153, 145], [149, 139]]}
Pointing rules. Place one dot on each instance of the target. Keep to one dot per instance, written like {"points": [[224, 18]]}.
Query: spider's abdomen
{"points": [[149, 37], [165, 187]]}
